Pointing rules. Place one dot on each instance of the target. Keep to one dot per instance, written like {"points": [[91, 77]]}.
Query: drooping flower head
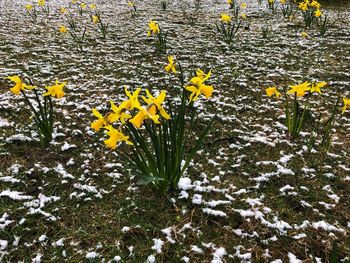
{"points": [[145, 114], [115, 137], [157, 102], [171, 65], [20, 86], [118, 112], [316, 87], [315, 4], [63, 29], [304, 34], [95, 19], [100, 122], [346, 104], [153, 28], [29, 7], [272, 91], [300, 89], [198, 87], [243, 16], [63, 10], [318, 13], [41, 3], [303, 6], [55, 90], [133, 101]]}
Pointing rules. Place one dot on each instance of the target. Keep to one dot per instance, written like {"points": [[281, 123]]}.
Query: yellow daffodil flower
{"points": [[303, 6], [82, 5], [198, 87], [230, 2], [225, 18], [63, 10], [92, 6], [41, 2], [153, 28], [316, 87], [74, 2], [100, 122], [304, 35], [243, 16], [55, 90], [115, 137], [171, 65], [144, 114], [29, 7], [315, 4], [20, 86], [63, 29], [346, 103], [131, 4], [118, 113], [272, 91], [283, 2], [95, 19], [318, 13], [133, 101], [271, 1], [299, 89], [243, 5], [157, 102]]}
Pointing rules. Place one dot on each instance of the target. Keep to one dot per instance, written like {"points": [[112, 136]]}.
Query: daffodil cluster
{"points": [[43, 108], [159, 136], [296, 114], [77, 27], [130, 111], [311, 10], [295, 119]]}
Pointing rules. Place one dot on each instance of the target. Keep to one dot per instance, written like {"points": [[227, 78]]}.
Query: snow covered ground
{"points": [[251, 194]]}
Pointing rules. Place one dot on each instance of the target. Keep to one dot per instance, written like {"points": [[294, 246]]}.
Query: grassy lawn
{"points": [[251, 194]]}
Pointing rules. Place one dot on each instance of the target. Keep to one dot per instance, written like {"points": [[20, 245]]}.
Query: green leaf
{"points": [[145, 180]]}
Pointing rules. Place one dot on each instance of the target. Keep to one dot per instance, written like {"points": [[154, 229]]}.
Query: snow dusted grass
{"points": [[251, 195]]}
